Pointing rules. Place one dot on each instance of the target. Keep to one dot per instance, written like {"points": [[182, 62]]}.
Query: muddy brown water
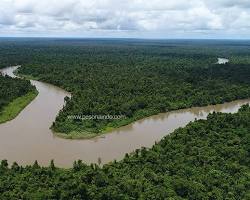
{"points": [[28, 138]]}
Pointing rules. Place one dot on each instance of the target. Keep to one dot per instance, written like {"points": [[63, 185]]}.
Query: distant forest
{"points": [[135, 78]]}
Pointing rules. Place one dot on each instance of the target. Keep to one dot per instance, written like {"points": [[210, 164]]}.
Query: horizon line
{"points": [[118, 38]]}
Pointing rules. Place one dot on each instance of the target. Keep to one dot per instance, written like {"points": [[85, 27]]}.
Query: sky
{"points": [[203, 19]]}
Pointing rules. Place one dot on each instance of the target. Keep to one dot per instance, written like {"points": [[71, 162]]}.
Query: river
{"points": [[28, 138]]}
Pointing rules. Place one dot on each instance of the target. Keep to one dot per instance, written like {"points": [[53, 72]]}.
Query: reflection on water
{"points": [[28, 138]]}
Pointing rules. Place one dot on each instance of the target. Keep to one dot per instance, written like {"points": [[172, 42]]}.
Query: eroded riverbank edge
{"points": [[12, 110], [88, 135]]}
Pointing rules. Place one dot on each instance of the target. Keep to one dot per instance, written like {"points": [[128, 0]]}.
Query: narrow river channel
{"points": [[28, 138]]}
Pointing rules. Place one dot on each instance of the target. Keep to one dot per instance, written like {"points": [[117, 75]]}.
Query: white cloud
{"points": [[135, 18]]}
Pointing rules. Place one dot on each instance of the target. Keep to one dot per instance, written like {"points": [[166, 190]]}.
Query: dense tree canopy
{"points": [[136, 79], [208, 159], [10, 89], [132, 78]]}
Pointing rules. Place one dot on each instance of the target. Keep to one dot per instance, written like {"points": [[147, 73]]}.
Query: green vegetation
{"points": [[135, 78], [10, 111], [208, 159], [76, 135], [15, 95]]}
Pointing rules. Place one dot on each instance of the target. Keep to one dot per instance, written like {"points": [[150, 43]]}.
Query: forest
{"points": [[11, 89], [208, 159], [132, 78]]}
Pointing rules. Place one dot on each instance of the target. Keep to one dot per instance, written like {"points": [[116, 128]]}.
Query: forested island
{"points": [[15, 95], [208, 159], [134, 79]]}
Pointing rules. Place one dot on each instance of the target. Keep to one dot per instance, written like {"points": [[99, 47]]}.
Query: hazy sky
{"points": [[126, 18]]}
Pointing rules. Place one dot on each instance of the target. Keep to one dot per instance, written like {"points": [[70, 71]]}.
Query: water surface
{"points": [[28, 138], [222, 60]]}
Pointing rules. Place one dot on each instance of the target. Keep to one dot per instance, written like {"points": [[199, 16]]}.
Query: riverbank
{"points": [[27, 77], [29, 133], [135, 98], [74, 135], [15, 107], [142, 114], [207, 158]]}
